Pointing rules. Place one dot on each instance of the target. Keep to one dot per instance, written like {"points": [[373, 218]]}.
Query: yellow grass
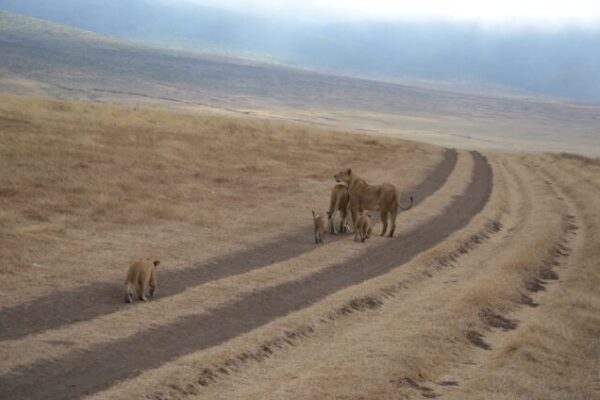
{"points": [[184, 371], [85, 188], [555, 354], [203, 298], [422, 335]]}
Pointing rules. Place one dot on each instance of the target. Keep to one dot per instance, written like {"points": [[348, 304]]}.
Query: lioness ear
{"points": [[156, 262], [349, 171]]}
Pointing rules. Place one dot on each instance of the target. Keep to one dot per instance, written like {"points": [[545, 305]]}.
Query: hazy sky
{"points": [[499, 12]]}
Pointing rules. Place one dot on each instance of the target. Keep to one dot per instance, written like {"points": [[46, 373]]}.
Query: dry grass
{"points": [[428, 331], [84, 187], [184, 373], [554, 354], [202, 299], [582, 160], [558, 349]]}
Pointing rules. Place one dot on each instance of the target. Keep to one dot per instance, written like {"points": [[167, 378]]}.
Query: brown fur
{"points": [[382, 198], [140, 273], [339, 202], [363, 227], [320, 230]]}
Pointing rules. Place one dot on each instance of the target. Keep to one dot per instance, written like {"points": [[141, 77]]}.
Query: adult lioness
{"points": [[382, 198]]}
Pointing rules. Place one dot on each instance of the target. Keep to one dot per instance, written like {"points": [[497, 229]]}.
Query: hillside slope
{"points": [[557, 62], [46, 58]]}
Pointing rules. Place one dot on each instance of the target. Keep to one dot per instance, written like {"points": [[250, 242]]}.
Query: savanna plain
{"points": [[489, 289]]}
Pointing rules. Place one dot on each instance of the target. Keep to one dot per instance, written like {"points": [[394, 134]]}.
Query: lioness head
{"points": [[344, 176]]}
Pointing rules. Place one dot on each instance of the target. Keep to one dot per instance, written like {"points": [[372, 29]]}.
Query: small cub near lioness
{"points": [[363, 227], [320, 229], [140, 273]]}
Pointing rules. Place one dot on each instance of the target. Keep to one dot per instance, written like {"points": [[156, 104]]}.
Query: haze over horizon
{"points": [[547, 48], [553, 14]]}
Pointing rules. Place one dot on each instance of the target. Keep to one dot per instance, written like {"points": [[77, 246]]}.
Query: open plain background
{"points": [[49, 59], [111, 151]]}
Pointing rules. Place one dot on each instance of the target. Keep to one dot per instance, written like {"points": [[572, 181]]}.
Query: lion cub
{"points": [[141, 273], [363, 227], [320, 229]]}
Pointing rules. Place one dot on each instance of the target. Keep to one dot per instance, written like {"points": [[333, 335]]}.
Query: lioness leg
{"points": [[384, 220], [393, 215], [152, 283], [141, 291], [128, 293], [344, 214], [354, 212], [331, 225]]}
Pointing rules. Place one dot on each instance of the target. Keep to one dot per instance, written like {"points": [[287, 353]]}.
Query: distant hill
{"points": [[78, 61], [557, 63], [40, 57]]}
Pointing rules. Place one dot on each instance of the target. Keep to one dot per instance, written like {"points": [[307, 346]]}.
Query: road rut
{"points": [[91, 301], [84, 372]]}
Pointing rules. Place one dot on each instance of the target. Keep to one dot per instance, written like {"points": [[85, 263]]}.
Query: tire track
{"points": [[83, 373], [561, 254], [90, 301]]}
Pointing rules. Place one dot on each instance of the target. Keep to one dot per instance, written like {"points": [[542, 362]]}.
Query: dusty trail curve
{"points": [[90, 301], [82, 373]]}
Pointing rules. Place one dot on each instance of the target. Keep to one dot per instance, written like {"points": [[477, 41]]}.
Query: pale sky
{"points": [[498, 12]]}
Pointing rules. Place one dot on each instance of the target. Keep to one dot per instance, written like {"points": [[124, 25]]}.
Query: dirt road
{"points": [[90, 301], [82, 373]]}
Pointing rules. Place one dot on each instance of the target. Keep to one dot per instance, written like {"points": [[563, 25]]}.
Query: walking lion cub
{"points": [[140, 274], [363, 227], [320, 229]]}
